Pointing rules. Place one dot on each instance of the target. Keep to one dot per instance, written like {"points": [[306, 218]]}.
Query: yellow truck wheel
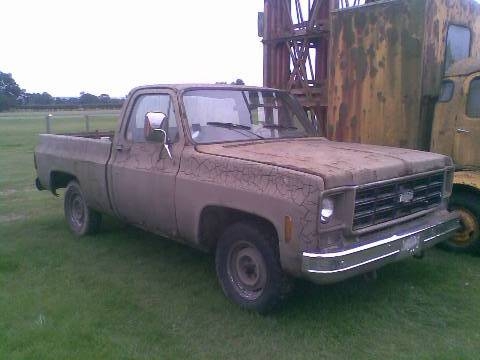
{"points": [[467, 239]]}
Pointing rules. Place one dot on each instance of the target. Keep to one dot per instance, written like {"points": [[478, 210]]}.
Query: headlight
{"points": [[326, 210]]}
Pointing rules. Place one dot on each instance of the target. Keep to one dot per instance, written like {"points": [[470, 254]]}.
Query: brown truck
{"points": [[239, 171]]}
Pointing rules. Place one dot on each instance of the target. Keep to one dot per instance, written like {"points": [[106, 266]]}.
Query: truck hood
{"points": [[338, 164]]}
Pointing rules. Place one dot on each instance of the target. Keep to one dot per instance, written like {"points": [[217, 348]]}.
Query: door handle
{"points": [[121, 147], [463, 131]]}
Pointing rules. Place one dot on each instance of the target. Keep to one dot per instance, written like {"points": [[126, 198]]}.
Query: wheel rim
{"points": [[470, 228], [247, 270], [77, 210]]}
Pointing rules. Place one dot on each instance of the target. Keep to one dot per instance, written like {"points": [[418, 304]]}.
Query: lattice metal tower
{"points": [[296, 42]]}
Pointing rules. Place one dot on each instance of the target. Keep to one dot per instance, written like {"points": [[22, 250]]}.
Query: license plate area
{"points": [[412, 244]]}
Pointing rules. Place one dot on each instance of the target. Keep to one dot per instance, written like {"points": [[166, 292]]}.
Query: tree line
{"points": [[13, 97]]}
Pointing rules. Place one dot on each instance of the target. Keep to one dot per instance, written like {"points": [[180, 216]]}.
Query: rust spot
{"points": [[354, 121], [343, 62], [360, 21], [410, 45], [371, 52], [330, 130], [392, 36], [381, 97], [346, 84], [343, 113], [359, 56], [348, 33]]}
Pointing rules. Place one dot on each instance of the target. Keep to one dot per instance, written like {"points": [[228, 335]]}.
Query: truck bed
{"points": [[100, 135], [85, 155]]}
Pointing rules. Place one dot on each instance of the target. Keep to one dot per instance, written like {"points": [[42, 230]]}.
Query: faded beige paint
{"points": [[85, 158], [270, 179]]}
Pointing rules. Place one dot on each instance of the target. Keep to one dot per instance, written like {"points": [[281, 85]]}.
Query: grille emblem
{"points": [[406, 196]]}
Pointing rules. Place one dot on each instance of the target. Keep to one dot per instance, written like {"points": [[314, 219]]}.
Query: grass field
{"points": [[125, 294]]}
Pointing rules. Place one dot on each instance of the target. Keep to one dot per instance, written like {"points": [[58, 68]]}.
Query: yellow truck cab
{"points": [[456, 132]]}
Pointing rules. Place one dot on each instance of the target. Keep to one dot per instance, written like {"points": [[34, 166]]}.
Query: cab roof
{"points": [[182, 87], [464, 67]]}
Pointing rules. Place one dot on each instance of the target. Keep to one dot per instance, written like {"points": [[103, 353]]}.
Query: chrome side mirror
{"points": [[154, 129], [154, 125]]}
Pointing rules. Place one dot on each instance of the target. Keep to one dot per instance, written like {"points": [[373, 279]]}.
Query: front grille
{"points": [[380, 203]]}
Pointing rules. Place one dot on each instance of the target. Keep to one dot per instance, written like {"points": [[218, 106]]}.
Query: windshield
{"points": [[220, 115]]}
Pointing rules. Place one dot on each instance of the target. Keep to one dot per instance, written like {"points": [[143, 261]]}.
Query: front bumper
{"points": [[378, 249]]}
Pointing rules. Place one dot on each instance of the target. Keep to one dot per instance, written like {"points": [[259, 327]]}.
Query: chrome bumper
{"points": [[328, 267]]}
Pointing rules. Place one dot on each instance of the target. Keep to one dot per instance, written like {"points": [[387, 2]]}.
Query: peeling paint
{"points": [[402, 54]]}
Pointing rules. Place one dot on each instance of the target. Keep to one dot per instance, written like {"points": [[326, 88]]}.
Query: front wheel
{"points": [[81, 219], [467, 239], [248, 267]]}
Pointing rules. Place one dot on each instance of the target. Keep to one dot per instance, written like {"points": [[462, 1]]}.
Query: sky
{"points": [[65, 47]]}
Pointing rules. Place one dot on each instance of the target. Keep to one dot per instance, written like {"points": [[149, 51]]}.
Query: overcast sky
{"points": [[65, 47]]}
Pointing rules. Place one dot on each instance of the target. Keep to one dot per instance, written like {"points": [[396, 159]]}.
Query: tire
{"points": [[467, 239], [248, 267], [81, 219]]}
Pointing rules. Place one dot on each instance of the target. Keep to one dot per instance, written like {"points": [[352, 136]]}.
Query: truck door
{"points": [[466, 151], [446, 112], [141, 173]]}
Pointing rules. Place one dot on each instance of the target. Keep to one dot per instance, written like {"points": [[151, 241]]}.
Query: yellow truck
{"points": [[400, 73]]}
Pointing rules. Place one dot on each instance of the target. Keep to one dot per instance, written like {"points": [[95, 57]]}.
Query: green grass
{"points": [[126, 294]]}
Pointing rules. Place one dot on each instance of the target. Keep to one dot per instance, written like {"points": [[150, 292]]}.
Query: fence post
{"points": [[87, 123], [47, 122]]}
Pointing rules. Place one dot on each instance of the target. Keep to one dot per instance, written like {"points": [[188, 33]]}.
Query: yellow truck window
{"points": [[473, 102], [458, 44]]}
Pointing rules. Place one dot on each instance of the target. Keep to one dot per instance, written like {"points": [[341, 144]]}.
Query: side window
{"points": [[446, 91], [473, 101], [155, 103], [458, 44]]}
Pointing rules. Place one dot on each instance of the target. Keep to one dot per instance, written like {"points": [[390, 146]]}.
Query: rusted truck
{"points": [[239, 171], [400, 73]]}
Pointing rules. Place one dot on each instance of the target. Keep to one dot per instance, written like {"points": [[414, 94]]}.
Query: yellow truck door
{"points": [[446, 112], [466, 150]]}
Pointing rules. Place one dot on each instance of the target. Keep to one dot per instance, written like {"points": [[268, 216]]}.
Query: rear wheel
{"points": [[248, 267], [81, 219], [467, 239]]}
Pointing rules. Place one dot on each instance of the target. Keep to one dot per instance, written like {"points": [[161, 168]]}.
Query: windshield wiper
{"points": [[235, 127], [229, 125], [276, 126]]}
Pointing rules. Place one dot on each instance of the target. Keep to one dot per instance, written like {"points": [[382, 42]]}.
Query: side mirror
{"points": [[154, 127], [261, 24]]}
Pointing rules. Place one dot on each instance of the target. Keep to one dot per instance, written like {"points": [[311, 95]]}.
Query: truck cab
{"points": [[456, 132]]}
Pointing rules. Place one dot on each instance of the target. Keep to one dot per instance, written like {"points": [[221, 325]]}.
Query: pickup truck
{"points": [[239, 171]]}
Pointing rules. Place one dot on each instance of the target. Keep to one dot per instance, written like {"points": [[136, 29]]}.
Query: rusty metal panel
{"points": [[375, 73], [441, 13], [276, 63]]}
